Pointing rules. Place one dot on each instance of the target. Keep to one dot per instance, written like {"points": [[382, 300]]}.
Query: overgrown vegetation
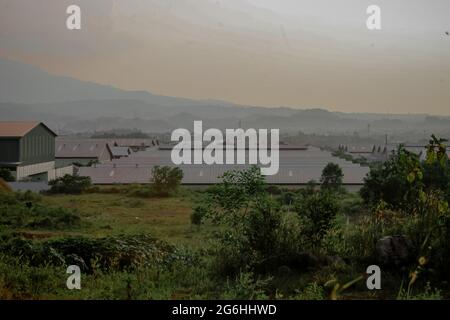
{"points": [[332, 177], [70, 184], [25, 210], [166, 180], [6, 175], [242, 239]]}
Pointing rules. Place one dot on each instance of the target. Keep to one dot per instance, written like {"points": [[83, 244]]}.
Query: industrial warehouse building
{"points": [[85, 152], [298, 166], [82, 152], [28, 150]]}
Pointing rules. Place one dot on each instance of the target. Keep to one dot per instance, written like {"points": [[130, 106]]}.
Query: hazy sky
{"points": [[293, 53]]}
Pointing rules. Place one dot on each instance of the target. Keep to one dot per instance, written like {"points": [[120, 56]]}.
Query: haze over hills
{"points": [[70, 105], [22, 83]]}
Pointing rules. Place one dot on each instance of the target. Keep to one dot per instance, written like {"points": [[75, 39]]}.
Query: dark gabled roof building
{"points": [[27, 148], [83, 152]]}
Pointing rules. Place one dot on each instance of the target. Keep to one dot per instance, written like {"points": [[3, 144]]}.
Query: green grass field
{"points": [[112, 212], [109, 214]]}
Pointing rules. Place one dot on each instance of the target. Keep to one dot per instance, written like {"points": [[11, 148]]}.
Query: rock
{"points": [[394, 250]]}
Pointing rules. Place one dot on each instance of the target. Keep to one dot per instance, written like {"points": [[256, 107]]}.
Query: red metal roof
{"points": [[19, 128]]}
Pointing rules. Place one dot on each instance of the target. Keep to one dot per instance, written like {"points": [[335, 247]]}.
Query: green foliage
{"points": [[399, 182], [287, 198], [261, 238], [23, 210], [332, 177], [198, 214], [139, 191], [311, 186], [352, 206], [318, 211], [311, 292], [245, 287], [254, 235], [275, 190], [427, 294], [390, 182], [122, 252], [70, 184], [166, 179], [238, 190], [6, 175], [20, 281]]}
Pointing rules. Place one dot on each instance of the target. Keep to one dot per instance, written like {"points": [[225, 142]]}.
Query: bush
{"points": [[311, 292], [139, 191], [275, 190], [70, 184], [332, 177], [20, 281], [198, 214], [287, 198], [166, 180], [254, 235], [122, 252], [245, 287], [318, 211], [23, 210], [6, 175]]}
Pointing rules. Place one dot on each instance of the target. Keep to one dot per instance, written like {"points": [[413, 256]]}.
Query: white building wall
{"points": [[59, 172], [26, 171]]}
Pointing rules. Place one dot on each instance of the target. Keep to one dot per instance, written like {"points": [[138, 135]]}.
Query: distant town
{"points": [[35, 155]]}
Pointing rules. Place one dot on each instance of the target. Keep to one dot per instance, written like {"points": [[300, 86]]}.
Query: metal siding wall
{"points": [[33, 169], [59, 172], [38, 146]]}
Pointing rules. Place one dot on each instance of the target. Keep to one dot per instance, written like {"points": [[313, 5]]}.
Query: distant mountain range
{"points": [[70, 105]]}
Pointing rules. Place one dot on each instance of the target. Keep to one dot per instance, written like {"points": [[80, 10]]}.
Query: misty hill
{"points": [[22, 83], [70, 105]]}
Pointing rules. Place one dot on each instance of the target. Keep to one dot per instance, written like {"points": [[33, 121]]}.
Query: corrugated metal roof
{"points": [[125, 142], [80, 149], [202, 174], [296, 167], [19, 128]]}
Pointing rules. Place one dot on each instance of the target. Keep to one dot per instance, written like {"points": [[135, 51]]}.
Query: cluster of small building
{"points": [[33, 152]]}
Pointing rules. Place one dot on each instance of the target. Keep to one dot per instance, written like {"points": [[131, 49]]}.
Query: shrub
{"points": [[70, 184], [311, 292], [332, 177], [275, 190], [246, 287], [253, 234], [287, 198], [318, 211], [198, 214], [353, 206], [20, 281], [311, 187], [6, 175], [122, 252], [166, 179], [139, 191], [23, 210]]}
